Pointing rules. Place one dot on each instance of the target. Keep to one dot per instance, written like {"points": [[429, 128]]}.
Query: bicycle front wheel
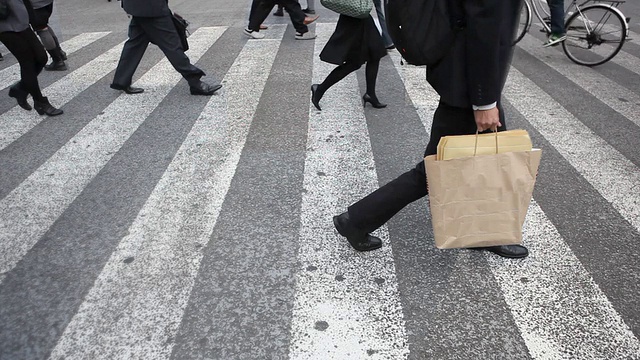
{"points": [[595, 34]]}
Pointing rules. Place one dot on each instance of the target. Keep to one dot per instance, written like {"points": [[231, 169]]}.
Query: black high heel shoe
{"points": [[315, 99], [16, 92], [373, 101]]}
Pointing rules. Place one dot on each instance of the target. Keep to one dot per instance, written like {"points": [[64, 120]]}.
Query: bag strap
{"points": [[475, 148]]}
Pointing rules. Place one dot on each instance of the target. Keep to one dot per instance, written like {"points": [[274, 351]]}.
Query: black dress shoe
{"points": [[359, 240], [127, 89], [508, 251], [44, 107], [16, 91], [315, 97], [204, 89]]}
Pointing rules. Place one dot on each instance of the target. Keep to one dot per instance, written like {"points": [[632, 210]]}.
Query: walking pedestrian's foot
{"points": [[507, 251], [263, 27], [127, 89], [309, 19], [315, 97], [554, 39], [16, 92], [306, 36], [278, 12], [307, 11], [253, 34], [358, 239], [204, 89]]}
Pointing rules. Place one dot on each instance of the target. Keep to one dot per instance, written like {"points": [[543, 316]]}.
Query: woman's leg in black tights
{"points": [[336, 75], [371, 74]]}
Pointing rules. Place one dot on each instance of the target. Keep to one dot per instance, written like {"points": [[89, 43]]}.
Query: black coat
{"points": [[146, 8], [475, 69], [354, 41]]}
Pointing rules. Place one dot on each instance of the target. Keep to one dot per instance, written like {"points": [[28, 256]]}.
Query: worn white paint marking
{"points": [[619, 98], [11, 74], [615, 177], [16, 122], [28, 211], [167, 239], [559, 309], [347, 303]]}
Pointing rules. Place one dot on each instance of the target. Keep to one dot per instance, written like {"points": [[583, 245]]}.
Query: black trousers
{"points": [[41, 18], [260, 10], [159, 31], [381, 205], [31, 56]]}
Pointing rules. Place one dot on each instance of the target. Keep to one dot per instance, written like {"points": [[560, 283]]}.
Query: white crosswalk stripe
{"points": [[347, 305], [342, 306]]}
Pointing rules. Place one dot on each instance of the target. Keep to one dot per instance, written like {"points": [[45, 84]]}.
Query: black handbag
{"points": [[181, 27]]}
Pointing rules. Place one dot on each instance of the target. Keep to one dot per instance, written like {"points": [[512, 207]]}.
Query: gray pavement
{"points": [[169, 226]]}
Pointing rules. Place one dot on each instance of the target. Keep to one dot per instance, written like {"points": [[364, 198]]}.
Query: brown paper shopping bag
{"points": [[481, 200]]}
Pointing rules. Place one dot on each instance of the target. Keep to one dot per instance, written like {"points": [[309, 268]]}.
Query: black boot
{"points": [[57, 62], [44, 107], [17, 92]]}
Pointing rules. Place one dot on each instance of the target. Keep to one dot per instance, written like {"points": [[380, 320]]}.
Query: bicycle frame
{"points": [[612, 4]]}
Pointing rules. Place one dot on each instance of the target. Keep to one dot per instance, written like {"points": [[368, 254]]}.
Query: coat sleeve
{"points": [[482, 63]]}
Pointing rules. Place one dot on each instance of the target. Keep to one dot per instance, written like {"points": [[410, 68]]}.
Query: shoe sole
{"points": [[253, 37], [215, 88], [501, 254], [556, 42]]}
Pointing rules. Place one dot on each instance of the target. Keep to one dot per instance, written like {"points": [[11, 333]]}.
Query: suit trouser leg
{"points": [[132, 53], [260, 10], [162, 32], [296, 14], [377, 208], [311, 5]]}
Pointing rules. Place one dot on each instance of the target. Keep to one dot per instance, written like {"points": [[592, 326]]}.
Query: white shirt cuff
{"points": [[484, 107]]}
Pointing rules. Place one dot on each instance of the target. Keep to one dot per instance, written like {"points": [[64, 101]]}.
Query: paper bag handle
{"points": [[475, 148]]}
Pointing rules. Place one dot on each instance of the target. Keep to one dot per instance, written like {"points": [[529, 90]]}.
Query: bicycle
{"points": [[595, 32]]}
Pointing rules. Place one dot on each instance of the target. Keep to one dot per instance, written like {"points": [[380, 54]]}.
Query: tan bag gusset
{"points": [[481, 200]]}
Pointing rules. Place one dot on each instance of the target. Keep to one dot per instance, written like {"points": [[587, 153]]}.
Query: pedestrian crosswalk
{"points": [[167, 226]]}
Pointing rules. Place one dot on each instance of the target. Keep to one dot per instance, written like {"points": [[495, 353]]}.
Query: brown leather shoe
{"points": [[263, 27], [309, 19]]}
